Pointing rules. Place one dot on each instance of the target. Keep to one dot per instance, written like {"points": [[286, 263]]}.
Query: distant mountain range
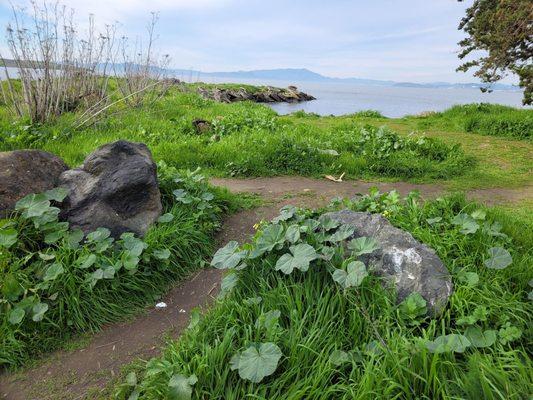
{"points": [[305, 75]]}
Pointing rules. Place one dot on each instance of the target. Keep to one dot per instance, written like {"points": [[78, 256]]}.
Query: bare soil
{"points": [[85, 372]]}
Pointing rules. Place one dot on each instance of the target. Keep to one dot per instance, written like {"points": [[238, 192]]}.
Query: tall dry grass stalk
{"points": [[59, 69]]}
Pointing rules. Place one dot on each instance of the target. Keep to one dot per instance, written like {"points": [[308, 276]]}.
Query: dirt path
{"points": [[84, 373], [320, 191]]}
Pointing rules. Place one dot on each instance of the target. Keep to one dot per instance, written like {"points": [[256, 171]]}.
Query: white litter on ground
{"points": [[161, 305]]}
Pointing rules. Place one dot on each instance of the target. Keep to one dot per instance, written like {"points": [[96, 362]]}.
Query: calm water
{"points": [[339, 98]]}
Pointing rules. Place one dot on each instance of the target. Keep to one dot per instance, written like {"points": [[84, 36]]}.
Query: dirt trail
{"points": [[84, 373]]}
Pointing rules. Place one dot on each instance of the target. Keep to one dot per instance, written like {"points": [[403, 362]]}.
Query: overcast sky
{"points": [[402, 40]]}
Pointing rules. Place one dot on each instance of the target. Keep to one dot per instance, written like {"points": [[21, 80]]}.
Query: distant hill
{"points": [[305, 75]]}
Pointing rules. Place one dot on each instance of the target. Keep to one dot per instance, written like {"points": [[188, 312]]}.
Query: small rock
{"points": [[27, 171], [401, 260], [115, 188]]}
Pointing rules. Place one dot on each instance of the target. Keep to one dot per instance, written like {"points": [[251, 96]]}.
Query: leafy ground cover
{"points": [[301, 319], [55, 284]]}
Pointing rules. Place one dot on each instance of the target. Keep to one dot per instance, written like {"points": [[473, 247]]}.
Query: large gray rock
{"points": [[115, 187], [401, 260], [27, 171]]}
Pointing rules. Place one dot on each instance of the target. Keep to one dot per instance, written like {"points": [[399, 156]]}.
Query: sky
{"points": [[401, 40]]}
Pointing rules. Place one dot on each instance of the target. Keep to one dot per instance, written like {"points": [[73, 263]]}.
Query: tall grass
{"points": [[485, 119], [318, 318], [74, 303]]}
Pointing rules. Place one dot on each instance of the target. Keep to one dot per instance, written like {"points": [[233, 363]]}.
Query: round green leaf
{"points": [[16, 316], [228, 256], [499, 258], [165, 218], [53, 271], [257, 361], [38, 311], [180, 387], [480, 338]]}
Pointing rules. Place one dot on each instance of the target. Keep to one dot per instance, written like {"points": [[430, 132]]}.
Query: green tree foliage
{"points": [[504, 30]]}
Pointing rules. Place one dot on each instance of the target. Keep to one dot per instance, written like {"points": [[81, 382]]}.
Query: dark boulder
{"points": [[267, 94], [201, 126], [27, 171], [115, 187], [401, 260]]}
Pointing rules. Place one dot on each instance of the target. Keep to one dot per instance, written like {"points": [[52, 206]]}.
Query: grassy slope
{"points": [[318, 318]]}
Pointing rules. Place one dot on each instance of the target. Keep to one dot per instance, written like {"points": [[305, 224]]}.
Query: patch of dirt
{"points": [[74, 374], [320, 191]]}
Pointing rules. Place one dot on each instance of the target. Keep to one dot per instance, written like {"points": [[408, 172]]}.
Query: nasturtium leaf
{"points": [[257, 361], [293, 233], [268, 320], [33, 205], [480, 313], [57, 194], [74, 238], [452, 343], [412, 307], [479, 214], [207, 196], [131, 379], [480, 338], [86, 261], [273, 235], [165, 218], [180, 387], [228, 283], [38, 311], [108, 272], [353, 276], [11, 288], [182, 196], [363, 245], [8, 237], [130, 261], [134, 245], [493, 229], [433, 221], [468, 278], [339, 357], [103, 245], [253, 300], [53, 271], [163, 254], [16, 315], [286, 213], [98, 235], [134, 395], [499, 258], [53, 237], [343, 233], [327, 223], [302, 255], [327, 252], [309, 225], [228, 257], [466, 222], [373, 348]]}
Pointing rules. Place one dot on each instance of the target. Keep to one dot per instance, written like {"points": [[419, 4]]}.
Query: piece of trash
{"points": [[307, 190], [182, 311], [161, 305], [332, 178]]}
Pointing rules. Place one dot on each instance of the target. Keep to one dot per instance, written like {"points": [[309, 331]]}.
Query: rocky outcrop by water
{"points": [[267, 94]]}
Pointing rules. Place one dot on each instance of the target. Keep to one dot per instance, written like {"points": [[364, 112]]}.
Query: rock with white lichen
{"points": [[401, 260]]}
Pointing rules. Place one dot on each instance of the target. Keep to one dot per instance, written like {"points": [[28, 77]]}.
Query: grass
{"points": [[37, 271], [318, 318], [485, 119]]}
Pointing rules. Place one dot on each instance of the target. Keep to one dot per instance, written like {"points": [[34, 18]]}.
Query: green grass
{"points": [[485, 119], [79, 301], [318, 318]]}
